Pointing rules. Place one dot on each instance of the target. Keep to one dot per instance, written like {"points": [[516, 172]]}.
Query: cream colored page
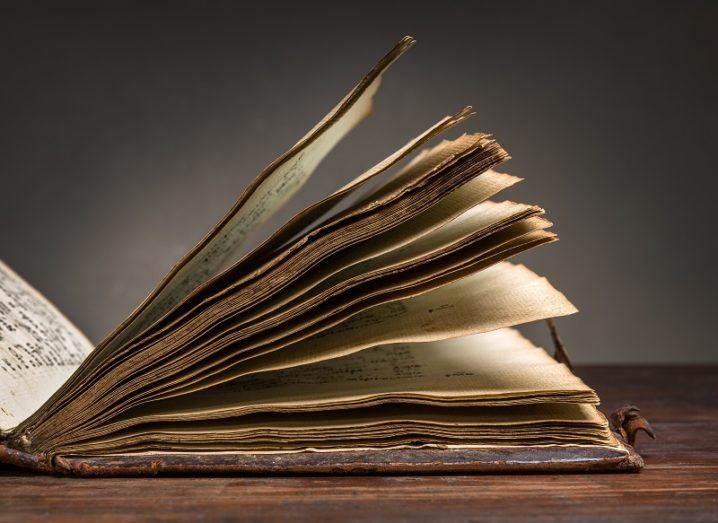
{"points": [[492, 367], [499, 296], [271, 194], [39, 349]]}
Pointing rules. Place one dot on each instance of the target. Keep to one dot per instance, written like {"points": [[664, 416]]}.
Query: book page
{"points": [[494, 298], [491, 370], [293, 262], [39, 349], [494, 368], [497, 297], [264, 196], [267, 193], [377, 426], [196, 379], [319, 318], [252, 289], [232, 365], [448, 208]]}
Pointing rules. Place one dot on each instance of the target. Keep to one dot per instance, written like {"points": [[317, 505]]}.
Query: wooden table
{"points": [[679, 483]]}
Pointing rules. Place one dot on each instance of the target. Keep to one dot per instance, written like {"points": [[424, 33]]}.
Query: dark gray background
{"points": [[127, 130]]}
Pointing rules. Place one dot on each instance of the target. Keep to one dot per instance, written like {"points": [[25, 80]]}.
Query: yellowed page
{"points": [[212, 374], [357, 259], [490, 369], [39, 349], [261, 200], [495, 210], [499, 371], [500, 296], [352, 419], [495, 368], [385, 425], [483, 155]]}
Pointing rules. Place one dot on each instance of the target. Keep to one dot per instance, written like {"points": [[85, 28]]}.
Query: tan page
{"points": [[477, 222], [269, 191], [485, 154], [495, 368], [499, 296], [209, 370], [275, 185], [427, 223], [384, 425], [491, 369], [454, 310]]}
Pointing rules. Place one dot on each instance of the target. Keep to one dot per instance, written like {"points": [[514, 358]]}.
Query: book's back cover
{"points": [[420, 460]]}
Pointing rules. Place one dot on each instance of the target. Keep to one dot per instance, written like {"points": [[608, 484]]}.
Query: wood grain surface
{"points": [[679, 483]]}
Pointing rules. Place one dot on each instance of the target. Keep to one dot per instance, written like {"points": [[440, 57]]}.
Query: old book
{"points": [[377, 337]]}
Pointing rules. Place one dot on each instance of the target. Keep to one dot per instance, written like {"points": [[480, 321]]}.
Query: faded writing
{"points": [[39, 348]]}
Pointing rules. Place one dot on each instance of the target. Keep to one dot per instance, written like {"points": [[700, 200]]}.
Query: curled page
{"points": [[264, 196], [496, 297]]}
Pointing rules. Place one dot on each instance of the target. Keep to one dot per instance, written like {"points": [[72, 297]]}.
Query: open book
{"points": [[384, 330]]}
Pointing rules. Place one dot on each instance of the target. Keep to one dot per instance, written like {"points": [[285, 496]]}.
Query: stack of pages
{"points": [[387, 324]]}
